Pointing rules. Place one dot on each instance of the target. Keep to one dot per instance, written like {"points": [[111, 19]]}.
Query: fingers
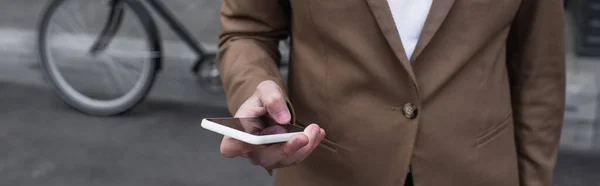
{"points": [[315, 136], [274, 129], [269, 99], [268, 158], [271, 96], [250, 110], [294, 151], [315, 143], [231, 148], [251, 125], [273, 154]]}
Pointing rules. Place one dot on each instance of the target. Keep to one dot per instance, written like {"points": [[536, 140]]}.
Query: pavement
{"points": [[161, 141], [47, 143]]}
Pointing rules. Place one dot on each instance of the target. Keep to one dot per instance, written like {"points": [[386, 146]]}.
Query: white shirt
{"points": [[409, 16]]}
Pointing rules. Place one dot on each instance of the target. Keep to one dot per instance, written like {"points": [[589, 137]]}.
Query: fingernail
{"points": [[315, 131], [283, 116]]}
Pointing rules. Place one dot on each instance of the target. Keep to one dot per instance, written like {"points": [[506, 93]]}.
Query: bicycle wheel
{"points": [[74, 65]]}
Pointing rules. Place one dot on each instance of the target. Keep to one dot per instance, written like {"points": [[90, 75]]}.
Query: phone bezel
{"points": [[243, 136]]}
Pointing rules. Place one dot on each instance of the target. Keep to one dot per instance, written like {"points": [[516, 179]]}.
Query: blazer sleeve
{"points": [[536, 67], [248, 48]]}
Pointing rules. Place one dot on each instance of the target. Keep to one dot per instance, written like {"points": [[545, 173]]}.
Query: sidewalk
{"points": [[577, 169]]}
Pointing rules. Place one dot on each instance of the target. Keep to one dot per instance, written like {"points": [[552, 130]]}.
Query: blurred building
{"points": [[581, 129]]}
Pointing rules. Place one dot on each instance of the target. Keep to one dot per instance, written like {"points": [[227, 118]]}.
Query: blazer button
{"points": [[410, 111]]}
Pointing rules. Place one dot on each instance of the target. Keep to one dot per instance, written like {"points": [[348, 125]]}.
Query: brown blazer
{"points": [[479, 104]]}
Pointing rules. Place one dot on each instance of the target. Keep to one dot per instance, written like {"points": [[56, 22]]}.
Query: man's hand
{"points": [[269, 99]]}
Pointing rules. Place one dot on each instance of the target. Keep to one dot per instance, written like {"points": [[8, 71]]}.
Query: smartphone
{"points": [[256, 131]]}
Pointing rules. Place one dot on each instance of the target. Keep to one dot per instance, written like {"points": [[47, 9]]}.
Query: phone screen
{"points": [[257, 126]]}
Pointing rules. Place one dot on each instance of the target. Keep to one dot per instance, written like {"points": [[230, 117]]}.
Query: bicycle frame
{"points": [[177, 27], [115, 18]]}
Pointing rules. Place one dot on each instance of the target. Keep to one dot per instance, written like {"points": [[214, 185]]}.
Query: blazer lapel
{"points": [[385, 20], [437, 15]]}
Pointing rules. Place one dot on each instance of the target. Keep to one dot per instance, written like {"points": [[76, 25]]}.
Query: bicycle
{"points": [[204, 66]]}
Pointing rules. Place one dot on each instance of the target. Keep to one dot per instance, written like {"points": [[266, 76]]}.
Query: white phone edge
{"points": [[245, 137]]}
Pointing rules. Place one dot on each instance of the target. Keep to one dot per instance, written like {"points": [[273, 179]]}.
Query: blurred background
{"points": [[43, 141]]}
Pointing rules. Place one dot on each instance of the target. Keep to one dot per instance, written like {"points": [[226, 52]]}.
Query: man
{"points": [[448, 92]]}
